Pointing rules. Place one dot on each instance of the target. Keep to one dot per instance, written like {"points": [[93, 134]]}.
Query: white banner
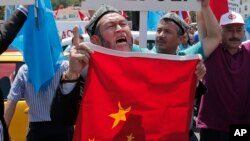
{"points": [[144, 5], [16, 2], [65, 28]]}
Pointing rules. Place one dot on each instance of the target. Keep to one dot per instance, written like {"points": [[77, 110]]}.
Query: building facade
{"points": [[240, 6], [245, 8], [234, 5]]}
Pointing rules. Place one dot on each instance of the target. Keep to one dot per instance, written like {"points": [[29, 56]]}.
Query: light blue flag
{"points": [[41, 44], [80, 30], [9, 9], [154, 18], [248, 24]]}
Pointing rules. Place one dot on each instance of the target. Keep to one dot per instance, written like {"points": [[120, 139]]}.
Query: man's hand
{"points": [[200, 70], [79, 56]]}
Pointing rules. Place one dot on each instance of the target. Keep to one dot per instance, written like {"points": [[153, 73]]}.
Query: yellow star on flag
{"points": [[120, 115], [130, 137]]}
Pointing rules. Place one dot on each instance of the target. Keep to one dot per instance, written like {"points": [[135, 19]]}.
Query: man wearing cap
{"points": [[172, 28], [227, 100], [108, 28]]}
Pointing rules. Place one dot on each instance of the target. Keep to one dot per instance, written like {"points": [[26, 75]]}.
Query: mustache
{"points": [[234, 39], [160, 38]]}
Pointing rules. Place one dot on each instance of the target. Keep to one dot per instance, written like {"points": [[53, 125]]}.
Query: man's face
{"points": [[184, 39], [167, 39], [191, 38], [115, 32], [232, 35]]}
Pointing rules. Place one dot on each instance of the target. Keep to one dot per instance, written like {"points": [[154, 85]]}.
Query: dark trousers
{"points": [[213, 135], [5, 130], [46, 131]]}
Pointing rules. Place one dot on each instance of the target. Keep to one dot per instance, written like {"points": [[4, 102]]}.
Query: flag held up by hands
{"points": [[136, 96]]}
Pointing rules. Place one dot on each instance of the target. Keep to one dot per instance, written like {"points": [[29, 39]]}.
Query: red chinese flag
{"points": [[136, 97], [219, 7]]}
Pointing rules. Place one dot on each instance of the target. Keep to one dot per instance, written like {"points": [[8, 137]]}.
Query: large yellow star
{"points": [[130, 137], [120, 115]]}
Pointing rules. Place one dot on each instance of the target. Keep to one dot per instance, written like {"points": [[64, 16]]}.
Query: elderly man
{"points": [[108, 28]]}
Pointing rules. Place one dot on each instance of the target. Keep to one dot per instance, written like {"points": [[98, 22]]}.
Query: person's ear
{"points": [[95, 40]]}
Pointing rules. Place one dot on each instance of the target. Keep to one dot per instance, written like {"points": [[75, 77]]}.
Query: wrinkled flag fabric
{"points": [[137, 96]]}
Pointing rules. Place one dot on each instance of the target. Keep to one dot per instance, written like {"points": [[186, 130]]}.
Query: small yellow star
{"points": [[130, 137], [120, 115]]}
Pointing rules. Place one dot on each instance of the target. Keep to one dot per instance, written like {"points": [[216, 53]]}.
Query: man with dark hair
{"points": [[108, 28], [227, 100]]}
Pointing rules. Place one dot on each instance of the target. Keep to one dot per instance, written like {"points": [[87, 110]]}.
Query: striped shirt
{"points": [[39, 103]]}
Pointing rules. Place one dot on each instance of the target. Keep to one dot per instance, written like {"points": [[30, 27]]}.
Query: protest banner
{"points": [[16, 2]]}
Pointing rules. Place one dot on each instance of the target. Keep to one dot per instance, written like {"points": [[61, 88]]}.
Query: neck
{"points": [[232, 51], [165, 52]]}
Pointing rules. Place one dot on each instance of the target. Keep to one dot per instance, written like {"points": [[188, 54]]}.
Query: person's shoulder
{"points": [[246, 44], [136, 48], [23, 70], [24, 67]]}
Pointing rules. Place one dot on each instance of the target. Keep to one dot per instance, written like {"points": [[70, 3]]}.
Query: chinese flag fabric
{"points": [[136, 97]]}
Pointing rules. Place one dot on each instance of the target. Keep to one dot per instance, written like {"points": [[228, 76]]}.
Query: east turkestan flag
{"points": [[136, 97], [39, 42]]}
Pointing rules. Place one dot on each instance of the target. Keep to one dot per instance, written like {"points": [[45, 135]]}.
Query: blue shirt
{"points": [[181, 47], [194, 49], [136, 48]]}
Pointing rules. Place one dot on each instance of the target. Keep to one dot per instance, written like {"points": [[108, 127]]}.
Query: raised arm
{"points": [[208, 28], [11, 27]]}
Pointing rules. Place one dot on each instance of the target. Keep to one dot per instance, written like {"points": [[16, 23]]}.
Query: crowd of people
{"points": [[224, 73]]}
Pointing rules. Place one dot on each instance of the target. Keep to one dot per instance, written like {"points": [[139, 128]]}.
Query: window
{"points": [[71, 16]]}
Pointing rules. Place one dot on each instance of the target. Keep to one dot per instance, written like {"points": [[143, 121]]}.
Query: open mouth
{"points": [[121, 40]]}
